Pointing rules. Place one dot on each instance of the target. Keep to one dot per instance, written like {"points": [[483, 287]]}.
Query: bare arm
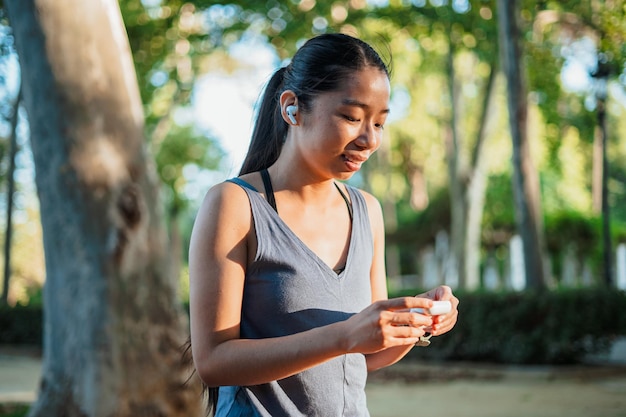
{"points": [[217, 262], [378, 277]]}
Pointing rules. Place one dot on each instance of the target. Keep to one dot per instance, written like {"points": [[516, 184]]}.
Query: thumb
{"points": [[441, 292]]}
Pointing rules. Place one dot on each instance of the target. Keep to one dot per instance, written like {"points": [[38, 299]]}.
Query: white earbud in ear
{"points": [[291, 114]]}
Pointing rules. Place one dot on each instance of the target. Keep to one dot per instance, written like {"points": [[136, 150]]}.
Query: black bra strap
{"points": [[241, 183], [269, 191], [348, 203]]}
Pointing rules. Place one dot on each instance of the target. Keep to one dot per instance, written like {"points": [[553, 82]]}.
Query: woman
{"points": [[288, 296]]}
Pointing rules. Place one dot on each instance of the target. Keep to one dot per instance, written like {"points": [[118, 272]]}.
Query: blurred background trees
{"points": [[501, 169], [445, 173]]}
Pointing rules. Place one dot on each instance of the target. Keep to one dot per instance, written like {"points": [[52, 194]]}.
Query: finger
{"points": [[444, 324], [406, 318], [409, 332], [403, 303], [443, 292]]}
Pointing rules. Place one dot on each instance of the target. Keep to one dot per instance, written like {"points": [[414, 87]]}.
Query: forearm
{"points": [[256, 361], [386, 357]]}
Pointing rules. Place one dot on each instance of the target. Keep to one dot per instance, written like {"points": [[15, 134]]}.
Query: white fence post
{"points": [[517, 272], [430, 268], [569, 267], [491, 276], [621, 266]]}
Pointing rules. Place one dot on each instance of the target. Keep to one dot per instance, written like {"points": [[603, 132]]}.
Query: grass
{"points": [[13, 410]]}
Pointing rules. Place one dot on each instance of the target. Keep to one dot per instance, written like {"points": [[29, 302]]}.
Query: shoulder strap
{"points": [[347, 200], [269, 191], [242, 183]]}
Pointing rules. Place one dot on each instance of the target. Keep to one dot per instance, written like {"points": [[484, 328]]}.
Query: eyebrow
{"points": [[351, 102]]}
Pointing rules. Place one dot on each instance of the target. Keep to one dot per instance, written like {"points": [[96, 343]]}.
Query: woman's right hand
{"points": [[385, 324]]}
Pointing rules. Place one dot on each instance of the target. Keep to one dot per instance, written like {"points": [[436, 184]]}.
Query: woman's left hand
{"points": [[445, 322]]}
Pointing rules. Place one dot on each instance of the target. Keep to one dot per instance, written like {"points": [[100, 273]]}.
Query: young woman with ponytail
{"points": [[288, 296]]}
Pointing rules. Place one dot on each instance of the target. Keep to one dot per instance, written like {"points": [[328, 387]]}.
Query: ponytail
{"points": [[322, 64], [269, 131], [209, 394]]}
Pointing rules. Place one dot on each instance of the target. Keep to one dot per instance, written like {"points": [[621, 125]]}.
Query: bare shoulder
{"points": [[226, 191], [225, 204], [373, 206], [375, 214], [374, 209]]}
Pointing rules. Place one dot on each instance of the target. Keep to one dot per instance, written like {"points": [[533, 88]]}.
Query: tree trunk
{"points": [[388, 204], [467, 185], [458, 184], [607, 247], [525, 187], [476, 191], [596, 173], [113, 324], [8, 236]]}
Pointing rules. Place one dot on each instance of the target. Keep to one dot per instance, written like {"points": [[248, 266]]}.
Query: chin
{"points": [[344, 176]]}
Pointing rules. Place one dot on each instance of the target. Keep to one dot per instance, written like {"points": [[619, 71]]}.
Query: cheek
{"points": [[348, 131], [337, 135], [379, 137]]}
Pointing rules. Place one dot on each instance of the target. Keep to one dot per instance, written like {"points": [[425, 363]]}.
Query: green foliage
{"points": [[556, 327], [183, 147], [559, 327], [14, 410], [570, 230], [499, 212], [566, 227], [21, 324], [422, 228], [170, 43], [617, 195]]}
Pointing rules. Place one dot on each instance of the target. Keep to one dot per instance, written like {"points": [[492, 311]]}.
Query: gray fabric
{"points": [[289, 289]]}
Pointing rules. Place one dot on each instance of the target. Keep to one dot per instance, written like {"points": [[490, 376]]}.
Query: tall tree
{"points": [[525, 182], [8, 235], [113, 324], [601, 75], [467, 178], [600, 25], [469, 34]]}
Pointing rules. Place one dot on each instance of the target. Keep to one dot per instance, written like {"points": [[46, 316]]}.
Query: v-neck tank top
{"points": [[288, 289]]}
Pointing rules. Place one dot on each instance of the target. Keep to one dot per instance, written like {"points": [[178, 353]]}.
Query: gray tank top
{"points": [[289, 289]]}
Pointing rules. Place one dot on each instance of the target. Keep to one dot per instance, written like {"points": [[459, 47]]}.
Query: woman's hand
{"points": [[445, 322], [387, 323]]}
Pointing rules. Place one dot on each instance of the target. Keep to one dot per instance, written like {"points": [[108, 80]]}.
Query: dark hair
{"points": [[319, 66]]}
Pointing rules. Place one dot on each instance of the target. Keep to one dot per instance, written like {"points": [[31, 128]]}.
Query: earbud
{"points": [[291, 114]]}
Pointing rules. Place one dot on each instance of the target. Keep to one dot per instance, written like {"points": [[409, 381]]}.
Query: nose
{"points": [[369, 137]]}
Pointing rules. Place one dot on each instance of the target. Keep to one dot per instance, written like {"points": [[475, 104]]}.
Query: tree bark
{"points": [[8, 236], [458, 183], [596, 173], [477, 189], [607, 246], [525, 184], [113, 324], [467, 184]]}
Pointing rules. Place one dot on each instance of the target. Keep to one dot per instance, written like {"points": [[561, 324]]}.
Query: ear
{"points": [[289, 107]]}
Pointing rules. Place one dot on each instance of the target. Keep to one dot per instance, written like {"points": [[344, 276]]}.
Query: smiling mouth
{"points": [[353, 162]]}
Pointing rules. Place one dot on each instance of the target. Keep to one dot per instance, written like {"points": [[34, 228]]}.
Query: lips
{"points": [[354, 162]]}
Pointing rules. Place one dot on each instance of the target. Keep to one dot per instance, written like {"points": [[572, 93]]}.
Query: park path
{"points": [[473, 390], [410, 389], [20, 370]]}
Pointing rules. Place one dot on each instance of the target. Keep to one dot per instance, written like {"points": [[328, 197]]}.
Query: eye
{"points": [[350, 118], [379, 125]]}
